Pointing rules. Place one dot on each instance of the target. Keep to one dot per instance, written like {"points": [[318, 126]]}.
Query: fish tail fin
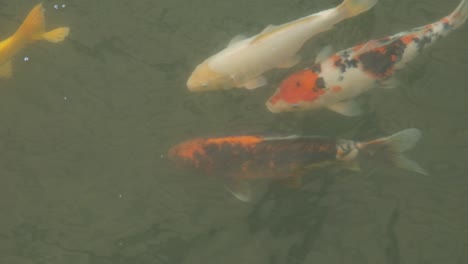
{"points": [[33, 28], [355, 7], [56, 35], [459, 15], [394, 147]]}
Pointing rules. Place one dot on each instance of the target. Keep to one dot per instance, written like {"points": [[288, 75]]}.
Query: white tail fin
{"points": [[460, 14], [355, 7], [398, 143]]}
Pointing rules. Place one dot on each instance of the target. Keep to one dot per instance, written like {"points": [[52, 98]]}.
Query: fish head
{"points": [[204, 78], [298, 92], [188, 153]]}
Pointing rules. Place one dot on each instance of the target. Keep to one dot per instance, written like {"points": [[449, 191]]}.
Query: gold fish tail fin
{"points": [[394, 146], [33, 28], [56, 35], [352, 8]]}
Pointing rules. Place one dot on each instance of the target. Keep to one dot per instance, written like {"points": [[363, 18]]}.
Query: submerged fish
{"points": [[334, 80], [240, 158], [32, 29], [244, 61]]}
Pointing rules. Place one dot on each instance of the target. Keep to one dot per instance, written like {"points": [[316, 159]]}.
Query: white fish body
{"points": [[244, 61]]}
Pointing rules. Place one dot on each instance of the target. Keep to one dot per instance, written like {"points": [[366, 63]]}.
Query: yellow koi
{"points": [[32, 29]]}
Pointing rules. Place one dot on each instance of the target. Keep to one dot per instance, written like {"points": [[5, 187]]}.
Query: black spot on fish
{"points": [[340, 65], [345, 54], [223, 156], [376, 63], [340, 78], [447, 26], [423, 42], [351, 63], [320, 83], [381, 62], [317, 68]]}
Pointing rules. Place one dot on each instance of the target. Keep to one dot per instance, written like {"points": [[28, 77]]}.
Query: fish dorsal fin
{"points": [[269, 28], [290, 137], [266, 32], [376, 43], [368, 46], [236, 39]]}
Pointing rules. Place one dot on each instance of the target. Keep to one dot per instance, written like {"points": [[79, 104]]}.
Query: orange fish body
{"points": [[32, 29], [253, 156], [335, 80], [240, 158]]}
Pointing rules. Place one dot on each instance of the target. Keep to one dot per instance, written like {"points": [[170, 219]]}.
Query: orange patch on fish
{"points": [[445, 20], [243, 140], [407, 39], [300, 86], [382, 49], [336, 88], [358, 47], [336, 58], [323, 148], [187, 150]]}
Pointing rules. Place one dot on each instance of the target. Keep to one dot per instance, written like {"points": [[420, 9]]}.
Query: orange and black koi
{"points": [[239, 158]]}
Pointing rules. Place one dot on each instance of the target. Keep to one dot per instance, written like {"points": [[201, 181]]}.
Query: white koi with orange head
{"points": [[244, 61], [32, 29]]}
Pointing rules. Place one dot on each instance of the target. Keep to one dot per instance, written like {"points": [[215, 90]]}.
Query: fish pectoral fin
{"points": [[6, 70], [255, 83], [291, 62], [390, 83], [352, 166], [294, 181], [346, 108], [319, 165], [240, 189], [324, 53], [236, 39]]}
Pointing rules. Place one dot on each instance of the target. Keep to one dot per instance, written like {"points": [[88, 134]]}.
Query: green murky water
{"points": [[85, 126]]}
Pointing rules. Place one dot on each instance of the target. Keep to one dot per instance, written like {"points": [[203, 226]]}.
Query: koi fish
{"points": [[32, 29], [333, 81], [244, 60], [241, 158]]}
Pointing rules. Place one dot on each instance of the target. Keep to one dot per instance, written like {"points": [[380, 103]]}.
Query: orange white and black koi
{"points": [[240, 158], [334, 80]]}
